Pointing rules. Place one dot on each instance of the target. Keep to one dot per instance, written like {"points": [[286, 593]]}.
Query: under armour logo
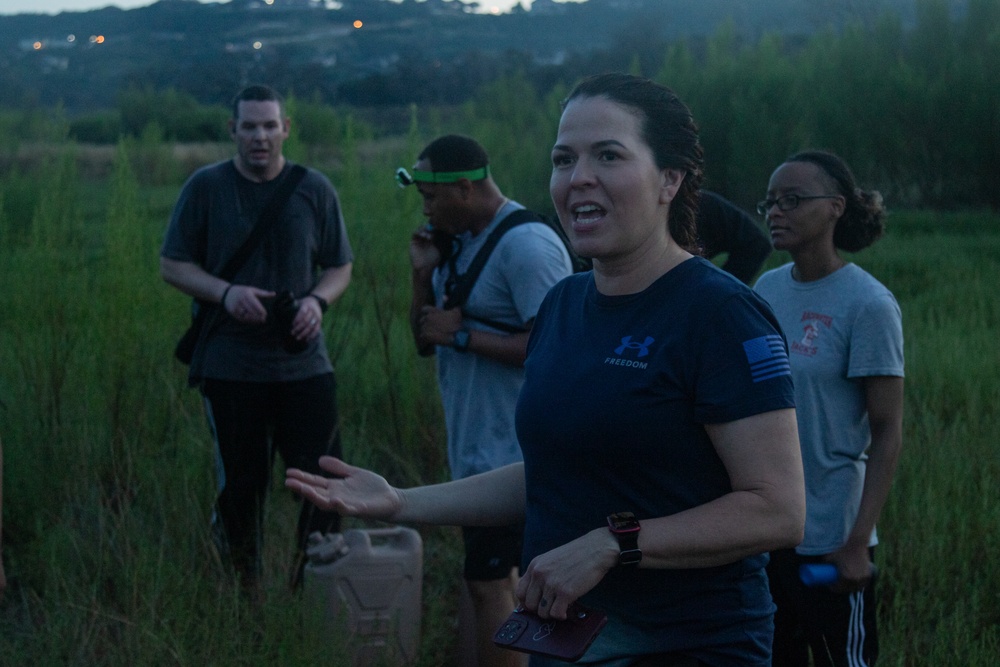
{"points": [[629, 344]]}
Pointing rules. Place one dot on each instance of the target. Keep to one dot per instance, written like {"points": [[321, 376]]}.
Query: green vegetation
{"points": [[915, 109]]}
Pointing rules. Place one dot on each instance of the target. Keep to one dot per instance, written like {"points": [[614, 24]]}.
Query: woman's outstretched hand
{"points": [[349, 491]]}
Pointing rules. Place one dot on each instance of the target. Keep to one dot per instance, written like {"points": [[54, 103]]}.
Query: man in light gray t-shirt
{"points": [[480, 345]]}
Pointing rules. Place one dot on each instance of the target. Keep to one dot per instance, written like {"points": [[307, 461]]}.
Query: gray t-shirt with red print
{"points": [[840, 329]]}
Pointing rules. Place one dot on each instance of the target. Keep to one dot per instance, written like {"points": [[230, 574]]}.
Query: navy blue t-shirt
{"points": [[611, 418]]}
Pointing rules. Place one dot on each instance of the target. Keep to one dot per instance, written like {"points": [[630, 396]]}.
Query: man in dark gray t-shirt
{"points": [[267, 381]]}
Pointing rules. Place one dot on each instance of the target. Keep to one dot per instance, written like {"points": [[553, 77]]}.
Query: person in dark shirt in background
{"points": [[725, 227]]}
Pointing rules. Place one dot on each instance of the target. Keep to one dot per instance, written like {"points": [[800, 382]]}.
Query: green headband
{"points": [[404, 178]]}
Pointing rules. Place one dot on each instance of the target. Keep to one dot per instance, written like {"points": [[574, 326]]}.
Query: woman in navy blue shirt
{"points": [[657, 393]]}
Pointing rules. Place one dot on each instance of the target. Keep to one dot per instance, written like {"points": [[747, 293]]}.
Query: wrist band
{"points": [[225, 292], [323, 305]]}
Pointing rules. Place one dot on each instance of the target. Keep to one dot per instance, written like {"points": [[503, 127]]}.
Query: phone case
{"points": [[564, 640]]}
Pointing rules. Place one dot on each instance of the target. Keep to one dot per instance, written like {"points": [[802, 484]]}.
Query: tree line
{"points": [[915, 110]]}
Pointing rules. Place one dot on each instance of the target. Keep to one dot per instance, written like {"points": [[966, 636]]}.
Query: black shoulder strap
{"points": [[464, 283], [272, 209]]}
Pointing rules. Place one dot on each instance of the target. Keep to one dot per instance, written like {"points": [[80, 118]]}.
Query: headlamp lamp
{"points": [[404, 178]]}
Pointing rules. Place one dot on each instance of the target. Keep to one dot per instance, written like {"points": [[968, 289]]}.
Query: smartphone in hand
{"points": [[560, 639]]}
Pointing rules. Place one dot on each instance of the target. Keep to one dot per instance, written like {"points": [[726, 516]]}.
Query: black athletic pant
{"points": [[250, 421]]}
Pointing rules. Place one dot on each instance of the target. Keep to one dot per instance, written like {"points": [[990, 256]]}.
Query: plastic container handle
{"points": [[366, 540]]}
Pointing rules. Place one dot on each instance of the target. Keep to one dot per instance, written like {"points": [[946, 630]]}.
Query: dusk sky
{"points": [[56, 6]]}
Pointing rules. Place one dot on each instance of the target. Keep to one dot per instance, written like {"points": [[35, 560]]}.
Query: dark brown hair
{"points": [[670, 132], [257, 93], [863, 220]]}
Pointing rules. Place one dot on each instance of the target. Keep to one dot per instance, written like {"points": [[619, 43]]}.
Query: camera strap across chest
{"points": [[200, 324], [272, 209]]}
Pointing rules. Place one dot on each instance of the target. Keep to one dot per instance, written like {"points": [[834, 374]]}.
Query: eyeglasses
{"points": [[788, 202]]}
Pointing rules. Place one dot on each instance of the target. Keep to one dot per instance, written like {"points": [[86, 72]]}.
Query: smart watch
{"points": [[625, 527], [460, 341]]}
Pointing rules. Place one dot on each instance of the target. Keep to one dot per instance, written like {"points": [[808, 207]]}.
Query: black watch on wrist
{"points": [[323, 304], [460, 341], [625, 527]]}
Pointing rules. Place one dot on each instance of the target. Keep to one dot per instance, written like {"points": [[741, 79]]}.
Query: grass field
{"points": [[108, 470]]}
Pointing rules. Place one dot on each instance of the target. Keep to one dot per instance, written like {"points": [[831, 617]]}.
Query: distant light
{"points": [[358, 23], [37, 46], [495, 11], [258, 45], [100, 39]]}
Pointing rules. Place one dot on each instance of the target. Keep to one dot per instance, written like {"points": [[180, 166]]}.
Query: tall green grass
{"points": [[940, 531], [109, 473]]}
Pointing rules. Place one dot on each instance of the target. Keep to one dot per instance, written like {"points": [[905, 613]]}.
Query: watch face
{"points": [[623, 522]]}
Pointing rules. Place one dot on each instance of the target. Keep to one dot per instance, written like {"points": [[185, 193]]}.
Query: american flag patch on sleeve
{"points": [[767, 357]]}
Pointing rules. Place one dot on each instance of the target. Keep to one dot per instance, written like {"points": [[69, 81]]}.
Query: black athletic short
{"points": [[491, 552]]}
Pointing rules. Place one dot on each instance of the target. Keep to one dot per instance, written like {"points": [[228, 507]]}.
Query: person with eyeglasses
{"points": [[480, 349], [845, 343]]}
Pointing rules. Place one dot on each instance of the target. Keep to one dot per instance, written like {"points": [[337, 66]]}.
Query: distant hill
{"points": [[365, 51]]}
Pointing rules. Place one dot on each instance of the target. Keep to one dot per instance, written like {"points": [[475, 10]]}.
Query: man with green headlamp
{"points": [[403, 177], [479, 345]]}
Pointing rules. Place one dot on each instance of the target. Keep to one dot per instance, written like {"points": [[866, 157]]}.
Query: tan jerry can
{"points": [[371, 583]]}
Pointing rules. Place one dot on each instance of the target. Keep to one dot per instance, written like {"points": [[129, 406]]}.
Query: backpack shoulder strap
{"points": [[466, 281]]}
